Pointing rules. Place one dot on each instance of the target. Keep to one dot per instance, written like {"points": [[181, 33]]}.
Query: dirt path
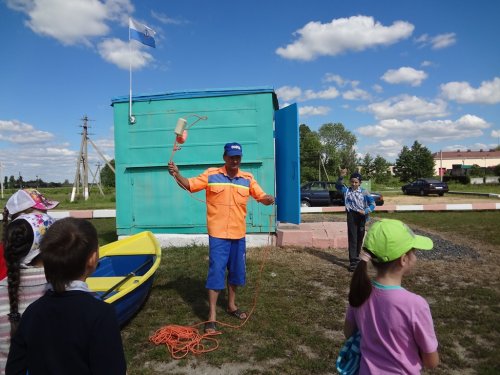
{"points": [[434, 199]]}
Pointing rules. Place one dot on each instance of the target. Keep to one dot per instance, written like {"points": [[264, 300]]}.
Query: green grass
{"points": [[482, 226], [106, 230], [297, 324], [486, 188], [396, 188], [63, 195]]}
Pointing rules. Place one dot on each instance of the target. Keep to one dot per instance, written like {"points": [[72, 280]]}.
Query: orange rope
{"points": [[182, 340]]}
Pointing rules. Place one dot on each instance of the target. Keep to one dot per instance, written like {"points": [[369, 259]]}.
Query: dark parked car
{"points": [[324, 193], [425, 186]]}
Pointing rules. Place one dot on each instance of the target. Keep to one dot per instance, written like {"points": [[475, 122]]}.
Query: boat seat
{"points": [[103, 284]]}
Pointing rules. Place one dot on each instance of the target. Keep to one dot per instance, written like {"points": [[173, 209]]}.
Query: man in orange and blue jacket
{"points": [[227, 191]]}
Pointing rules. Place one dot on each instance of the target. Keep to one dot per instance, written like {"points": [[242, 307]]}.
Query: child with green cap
{"points": [[396, 327]]}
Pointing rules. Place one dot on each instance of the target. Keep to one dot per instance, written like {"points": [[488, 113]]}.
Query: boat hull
{"points": [[125, 273]]}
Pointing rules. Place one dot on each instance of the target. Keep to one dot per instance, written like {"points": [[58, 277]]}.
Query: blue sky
{"points": [[391, 71]]}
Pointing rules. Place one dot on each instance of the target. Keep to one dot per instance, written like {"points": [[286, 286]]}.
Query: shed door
{"points": [[287, 165]]}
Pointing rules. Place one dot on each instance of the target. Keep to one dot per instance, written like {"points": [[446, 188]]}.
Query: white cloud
{"points": [[32, 152], [467, 126], [307, 111], [405, 75], [407, 106], [51, 163], [462, 92], [426, 63], [329, 93], [72, 22], [163, 18], [443, 40], [495, 133], [377, 88], [288, 92], [355, 33], [356, 94], [330, 77], [387, 148], [17, 132], [437, 42], [118, 52]]}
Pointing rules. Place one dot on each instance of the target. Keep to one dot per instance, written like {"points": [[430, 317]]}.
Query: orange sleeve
{"points": [[255, 190], [199, 182]]}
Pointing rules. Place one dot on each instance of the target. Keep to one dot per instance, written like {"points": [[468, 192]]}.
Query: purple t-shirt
{"points": [[395, 325]]}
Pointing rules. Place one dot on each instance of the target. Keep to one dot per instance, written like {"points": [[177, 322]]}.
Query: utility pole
{"points": [[82, 167], [96, 178]]}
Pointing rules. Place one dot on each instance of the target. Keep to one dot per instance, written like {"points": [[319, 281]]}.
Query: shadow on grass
{"points": [[193, 293], [341, 262]]}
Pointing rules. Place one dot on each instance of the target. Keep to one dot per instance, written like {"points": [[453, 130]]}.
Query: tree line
{"points": [[19, 183], [332, 147], [107, 178]]}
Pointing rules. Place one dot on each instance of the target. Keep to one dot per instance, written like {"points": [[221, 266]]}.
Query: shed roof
{"points": [[206, 93]]}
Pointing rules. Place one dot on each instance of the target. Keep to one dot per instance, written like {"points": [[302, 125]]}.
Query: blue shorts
{"points": [[226, 254]]}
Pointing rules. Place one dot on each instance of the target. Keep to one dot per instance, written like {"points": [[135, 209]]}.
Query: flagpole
{"points": [[131, 118]]}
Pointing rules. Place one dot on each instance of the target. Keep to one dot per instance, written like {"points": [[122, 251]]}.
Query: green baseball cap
{"points": [[389, 239]]}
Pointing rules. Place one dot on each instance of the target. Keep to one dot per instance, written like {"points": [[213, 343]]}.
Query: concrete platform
{"points": [[320, 235]]}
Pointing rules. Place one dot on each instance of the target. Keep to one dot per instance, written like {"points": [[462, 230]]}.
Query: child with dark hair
{"points": [[358, 205], [25, 281], [68, 330], [396, 328]]}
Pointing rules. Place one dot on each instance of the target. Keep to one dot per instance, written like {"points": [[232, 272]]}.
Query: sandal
{"points": [[210, 328], [241, 315]]}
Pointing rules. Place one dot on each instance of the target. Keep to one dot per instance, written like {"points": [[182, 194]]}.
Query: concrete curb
{"points": [[83, 214], [316, 235], [109, 213], [491, 195], [413, 207]]}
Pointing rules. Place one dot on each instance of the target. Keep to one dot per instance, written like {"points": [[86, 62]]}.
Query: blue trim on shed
{"points": [[200, 94]]}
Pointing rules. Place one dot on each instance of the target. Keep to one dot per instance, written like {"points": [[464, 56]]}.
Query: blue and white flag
{"points": [[142, 33]]}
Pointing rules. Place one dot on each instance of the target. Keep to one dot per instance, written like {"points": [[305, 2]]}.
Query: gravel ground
{"points": [[444, 248]]}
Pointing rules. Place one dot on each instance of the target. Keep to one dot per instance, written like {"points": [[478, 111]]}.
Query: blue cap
{"points": [[233, 149], [356, 175]]}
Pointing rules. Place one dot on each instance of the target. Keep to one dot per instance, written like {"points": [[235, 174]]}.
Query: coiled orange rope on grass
{"points": [[182, 340]]}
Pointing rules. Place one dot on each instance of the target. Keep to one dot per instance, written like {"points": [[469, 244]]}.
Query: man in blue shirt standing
{"points": [[358, 204]]}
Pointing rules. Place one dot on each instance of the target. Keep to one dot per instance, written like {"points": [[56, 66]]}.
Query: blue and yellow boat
{"points": [[125, 273]]}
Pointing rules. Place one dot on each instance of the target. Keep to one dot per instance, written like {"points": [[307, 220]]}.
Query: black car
{"points": [[426, 186], [325, 193]]}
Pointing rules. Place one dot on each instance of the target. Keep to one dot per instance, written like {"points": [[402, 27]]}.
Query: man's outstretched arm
{"points": [[174, 171]]}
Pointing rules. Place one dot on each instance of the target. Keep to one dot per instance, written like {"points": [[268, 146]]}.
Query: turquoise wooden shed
{"points": [[148, 198]]}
